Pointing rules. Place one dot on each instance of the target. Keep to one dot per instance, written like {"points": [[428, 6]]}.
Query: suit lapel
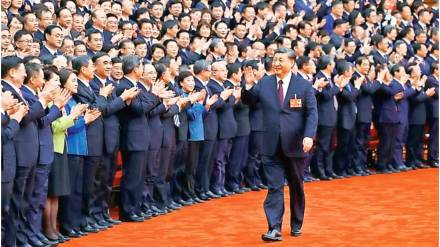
{"points": [[290, 89]]}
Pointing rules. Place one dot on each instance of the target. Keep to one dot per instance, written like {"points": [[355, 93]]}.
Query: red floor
{"points": [[381, 210]]}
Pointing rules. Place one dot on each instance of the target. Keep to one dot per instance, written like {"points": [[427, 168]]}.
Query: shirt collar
{"points": [[103, 81], [203, 83], [305, 76], [53, 52], [30, 89], [132, 82], [286, 79], [12, 85]]}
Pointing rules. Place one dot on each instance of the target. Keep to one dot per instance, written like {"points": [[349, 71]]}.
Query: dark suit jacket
{"points": [[45, 53], [364, 100], [241, 115], [210, 122], [156, 127], [26, 140], [111, 120], [433, 101], [386, 106], [9, 129], [167, 119], [417, 107], [95, 130], [188, 57], [135, 131], [347, 107], [46, 153], [284, 125], [226, 121], [326, 105], [403, 105], [378, 58]]}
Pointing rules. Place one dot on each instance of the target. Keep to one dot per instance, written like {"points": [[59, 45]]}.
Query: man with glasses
{"points": [[53, 37]]}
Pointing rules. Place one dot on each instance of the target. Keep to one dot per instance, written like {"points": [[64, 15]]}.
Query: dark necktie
{"points": [[280, 92]]}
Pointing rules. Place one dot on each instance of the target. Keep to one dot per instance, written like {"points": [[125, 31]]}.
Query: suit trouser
{"points": [[16, 221], [414, 145], [132, 181], [344, 150], [37, 201], [192, 162], [401, 136], [178, 170], [91, 185], [254, 157], [162, 183], [7, 188], [278, 167], [70, 206], [238, 164], [151, 175], [361, 139], [221, 160], [324, 151], [103, 187], [433, 141], [204, 167], [387, 138]]}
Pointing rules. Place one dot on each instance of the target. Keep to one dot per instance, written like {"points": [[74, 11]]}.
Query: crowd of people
{"points": [[161, 82]]}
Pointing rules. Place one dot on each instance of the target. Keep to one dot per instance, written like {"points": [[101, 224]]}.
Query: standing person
{"points": [[35, 80], [292, 112], [227, 127], [26, 146], [103, 67], [433, 117]]}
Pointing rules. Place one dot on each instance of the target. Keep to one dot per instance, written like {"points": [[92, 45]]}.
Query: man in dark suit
{"points": [[94, 41], [135, 138], [53, 37], [364, 104], [381, 47], [12, 114], [202, 71], [432, 82], [327, 108], [227, 127], [289, 107], [420, 52], [387, 115], [34, 82], [95, 137], [26, 146], [347, 111], [100, 80], [240, 142]]}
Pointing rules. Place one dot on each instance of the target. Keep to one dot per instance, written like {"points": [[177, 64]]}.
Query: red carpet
{"points": [[380, 210]]}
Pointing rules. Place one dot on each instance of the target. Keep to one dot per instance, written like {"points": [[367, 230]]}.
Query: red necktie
{"points": [[280, 92]]}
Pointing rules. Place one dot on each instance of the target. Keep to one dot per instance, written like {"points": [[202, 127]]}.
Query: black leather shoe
{"points": [[146, 214], [421, 165], [307, 179], [113, 221], [157, 210], [71, 234], [172, 207], [62, 237], [25, 245], [272, 235], [246, 189], [296, 233], [90, 228], [212, 195], [227, 193], [82, 233], [104, 223], [36, 243], [132, 218], [203, 197], [434, 164], [255, 188], [44, 240], [98, 226], [404, 168], [262, 186], [238, 191], [383, 171], [197, 199], [336, 176], [325, 178]]}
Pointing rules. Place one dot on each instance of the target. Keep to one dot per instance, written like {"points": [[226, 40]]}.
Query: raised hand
{"points": [[249, 76], [21, 111], [211, 100], [78, 110], [106, 91], [8, 100], [62, 98], [430, 91]]}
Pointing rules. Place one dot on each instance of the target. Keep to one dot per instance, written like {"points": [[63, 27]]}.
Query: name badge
{"points": [[295, 103]]}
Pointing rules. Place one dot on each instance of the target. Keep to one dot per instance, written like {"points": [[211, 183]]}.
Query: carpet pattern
{"points": [[380, 210]]}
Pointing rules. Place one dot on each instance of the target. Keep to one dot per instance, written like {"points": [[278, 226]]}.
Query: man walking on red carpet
{"points": [[290, 120]]}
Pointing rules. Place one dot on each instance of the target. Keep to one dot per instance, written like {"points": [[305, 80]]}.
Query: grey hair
{"points": [[200, 66], [129, 63]]}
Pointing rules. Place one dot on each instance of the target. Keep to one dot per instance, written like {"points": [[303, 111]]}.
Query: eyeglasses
{"points": [[24, 41], [58, 35]]}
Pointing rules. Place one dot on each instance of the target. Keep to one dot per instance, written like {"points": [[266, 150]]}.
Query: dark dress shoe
{"points": [[132, 218], [238, 191], [197, 199], [52, 237], [404, 168], [175, 205], [227, 192], [98, 226], [325, 178], [421, 165], [25, 245], [64, 238], [146, 215], [262, 186], [89, 228], [157, 210], [272, 235], [383, 171], [336, 176], [255, 188], [307, 179], [71, 234], [246, 189], [212, 195], [186, 203], [171, 207], [434, 164], [81, 233], [113, 221], [104, 223], [44, 240], [36, 242], [203, 197], [296, 233]]}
